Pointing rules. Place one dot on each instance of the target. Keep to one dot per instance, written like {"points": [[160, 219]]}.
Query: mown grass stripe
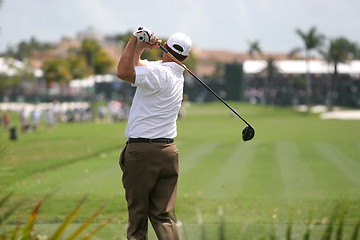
{"points": [[263, 180], [297, 177], [94, 175], [229, 180], [347, 166], [330, 182], [196, 180], [191, 159]]}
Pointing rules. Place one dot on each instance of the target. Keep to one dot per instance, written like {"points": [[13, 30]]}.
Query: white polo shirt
{"points": [[157, 101]]}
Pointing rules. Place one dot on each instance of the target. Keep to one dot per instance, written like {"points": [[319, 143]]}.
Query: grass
{"points": [[296, 163]]}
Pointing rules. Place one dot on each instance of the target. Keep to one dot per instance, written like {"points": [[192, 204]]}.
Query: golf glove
{"points": [[143, 35]]}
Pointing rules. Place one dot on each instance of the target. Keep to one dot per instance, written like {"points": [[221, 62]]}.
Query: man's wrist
{"points": [[133, 39]]}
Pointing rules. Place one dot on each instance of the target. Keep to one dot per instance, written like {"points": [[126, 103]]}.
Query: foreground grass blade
{"points": [[86, 224], [4, 199], [59, 232], [290, 225], [339, 231], [8, 213], [356, 231], [32, 219], [202, 227], [308, 227], [272, 226], [3, 150], [329, 228], [221, 224], [97, 229], [4, 232], [16, 230]]}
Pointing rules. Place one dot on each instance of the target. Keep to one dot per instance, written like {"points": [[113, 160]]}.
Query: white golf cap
{"points": [[180, 43]]}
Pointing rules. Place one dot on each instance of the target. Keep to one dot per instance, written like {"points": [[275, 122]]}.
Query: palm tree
{"points": [[254, 47], [312, 40], [339, 51], [270, 70]]}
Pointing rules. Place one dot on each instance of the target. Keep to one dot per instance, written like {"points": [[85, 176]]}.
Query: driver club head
{"points": [[248, 133]]}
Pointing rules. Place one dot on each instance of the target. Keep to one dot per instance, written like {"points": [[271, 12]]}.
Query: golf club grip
{"points": [[202, 83]]}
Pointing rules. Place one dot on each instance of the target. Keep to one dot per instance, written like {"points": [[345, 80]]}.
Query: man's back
{"points": [[156, 102]]}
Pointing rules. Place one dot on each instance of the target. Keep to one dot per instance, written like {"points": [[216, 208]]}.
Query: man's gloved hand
{"points": [[144, 35]]}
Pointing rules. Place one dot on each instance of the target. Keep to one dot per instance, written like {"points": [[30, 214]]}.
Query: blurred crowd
{"points": [[114, 111], [31, 116]]}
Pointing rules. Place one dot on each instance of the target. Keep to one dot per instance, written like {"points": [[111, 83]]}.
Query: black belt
{"points": [[148, 140]]}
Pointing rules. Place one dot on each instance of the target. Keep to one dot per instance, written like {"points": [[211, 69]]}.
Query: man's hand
{"points": [[143, 39], [146, 38], [144, 35]]}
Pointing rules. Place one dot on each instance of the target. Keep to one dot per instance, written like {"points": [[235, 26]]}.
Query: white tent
{"points": [[299, 67], [9, 66]]}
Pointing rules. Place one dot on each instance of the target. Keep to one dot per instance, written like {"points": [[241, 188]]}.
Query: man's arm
{"points": [[131, 58], [125, 69]]}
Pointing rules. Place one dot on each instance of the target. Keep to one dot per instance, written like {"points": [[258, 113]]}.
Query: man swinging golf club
{"points": [[149, 160]]}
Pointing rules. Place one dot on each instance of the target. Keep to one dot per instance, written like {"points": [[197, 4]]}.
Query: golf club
{"points": [[248, 132]]}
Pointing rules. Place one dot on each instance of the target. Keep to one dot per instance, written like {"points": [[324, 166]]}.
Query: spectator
{"points": [[6, 119], [24, 119], [36, 117]]}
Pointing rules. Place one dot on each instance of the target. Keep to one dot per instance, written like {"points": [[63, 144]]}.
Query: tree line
{"points": [[89, 59]]}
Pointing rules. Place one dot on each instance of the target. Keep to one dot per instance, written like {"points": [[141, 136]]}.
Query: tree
{"points": [[26, 48], [339, 51], [103, 63], [191, 62], [122, 37], [20, 74], [96, 58], [354, 51], [56, 70], [77, 67], [152, 55], [254, 47], [7, 82], [312, 40], [270, 70]]}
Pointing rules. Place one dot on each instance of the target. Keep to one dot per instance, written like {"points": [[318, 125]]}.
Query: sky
{"points": [[211, 24]]}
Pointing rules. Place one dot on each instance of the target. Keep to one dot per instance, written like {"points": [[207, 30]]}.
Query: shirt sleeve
{"points": [[149, 76]]}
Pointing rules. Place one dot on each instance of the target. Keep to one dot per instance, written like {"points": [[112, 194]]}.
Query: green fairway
{"points": [[296, 164]]}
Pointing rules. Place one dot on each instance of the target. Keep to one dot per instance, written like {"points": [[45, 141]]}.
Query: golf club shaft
{"points": [[202, 83]]}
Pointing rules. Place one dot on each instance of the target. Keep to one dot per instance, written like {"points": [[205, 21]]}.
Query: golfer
{"points": [[149, 160]]}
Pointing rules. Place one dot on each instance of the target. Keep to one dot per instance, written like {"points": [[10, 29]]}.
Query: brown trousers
{"points": [[150, 174]]}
